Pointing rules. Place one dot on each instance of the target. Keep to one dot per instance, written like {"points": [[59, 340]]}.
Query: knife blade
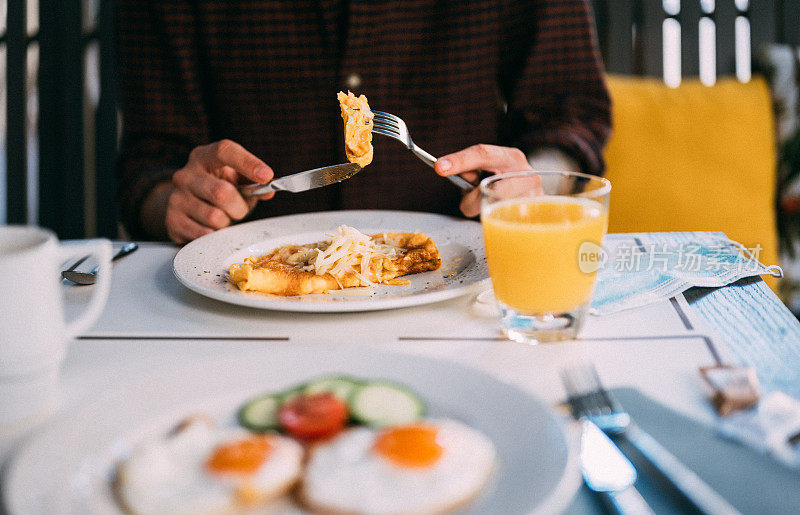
{"points": [[304, 181], [607, 471]]}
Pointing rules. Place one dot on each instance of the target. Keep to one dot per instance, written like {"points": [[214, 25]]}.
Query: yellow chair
{"points": [[694, 158]]}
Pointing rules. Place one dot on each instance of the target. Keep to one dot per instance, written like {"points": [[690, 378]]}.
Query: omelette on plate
{"points": [[348, 259]]}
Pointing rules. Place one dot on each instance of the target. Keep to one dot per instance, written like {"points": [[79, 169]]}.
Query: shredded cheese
{"points": [[349, 251]]}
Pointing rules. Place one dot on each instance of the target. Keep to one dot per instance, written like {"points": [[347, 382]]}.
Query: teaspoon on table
{"points": [[85, 278]]}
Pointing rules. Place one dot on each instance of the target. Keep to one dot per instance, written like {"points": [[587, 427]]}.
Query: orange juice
{"points": [[532, 250]]}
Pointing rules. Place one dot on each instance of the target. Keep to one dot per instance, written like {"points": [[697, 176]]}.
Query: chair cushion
{"points": [[694, 158]]}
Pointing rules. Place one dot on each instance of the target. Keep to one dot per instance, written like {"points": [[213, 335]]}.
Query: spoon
{"points": [[84, 278]]}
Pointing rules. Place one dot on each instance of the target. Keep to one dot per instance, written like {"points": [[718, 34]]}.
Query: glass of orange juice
{"points": [[543, 233]]}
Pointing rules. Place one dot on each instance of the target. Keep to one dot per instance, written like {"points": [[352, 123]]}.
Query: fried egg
{"points": [[199, 468], [430, 466]]}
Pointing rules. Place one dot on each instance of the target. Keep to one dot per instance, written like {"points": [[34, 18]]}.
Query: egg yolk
{"points": [[243, 456], [409, 446]]}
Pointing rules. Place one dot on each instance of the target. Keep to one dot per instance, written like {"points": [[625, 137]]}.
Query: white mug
{"points": [[33, 332]]}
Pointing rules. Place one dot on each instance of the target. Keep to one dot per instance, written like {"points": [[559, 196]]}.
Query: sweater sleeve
{"points": [[162, 104], [552, 80]]}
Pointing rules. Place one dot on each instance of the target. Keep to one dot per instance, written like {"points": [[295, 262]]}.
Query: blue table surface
{"points": [[757, 328]]}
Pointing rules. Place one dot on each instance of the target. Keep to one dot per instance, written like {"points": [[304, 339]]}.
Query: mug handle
{"points": [[101, 248]]}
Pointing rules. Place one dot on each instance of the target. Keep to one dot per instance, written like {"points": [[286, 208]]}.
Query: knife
{"points": [[607, 471], [303, 181]]}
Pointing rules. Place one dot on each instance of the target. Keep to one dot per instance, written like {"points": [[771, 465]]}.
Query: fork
{"points": [[588, 398], [394, 127]]}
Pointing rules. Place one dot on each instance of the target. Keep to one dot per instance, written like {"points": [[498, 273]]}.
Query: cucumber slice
{"points": [[341, 387], [291, 393], [384, 404], [261, 414]]}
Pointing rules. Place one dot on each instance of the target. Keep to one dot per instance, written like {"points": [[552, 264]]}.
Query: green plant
{"points": [[789, 200]]}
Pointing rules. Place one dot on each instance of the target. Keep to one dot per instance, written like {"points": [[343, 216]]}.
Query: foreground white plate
{"points": [[67, 467], [202, 265]]}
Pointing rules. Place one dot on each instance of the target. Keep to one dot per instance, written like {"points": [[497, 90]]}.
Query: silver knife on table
{"points": [[607, 471], [303, 181]]}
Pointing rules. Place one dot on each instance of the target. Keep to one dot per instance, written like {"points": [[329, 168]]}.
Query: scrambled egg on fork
{"points": [[357, 118]]}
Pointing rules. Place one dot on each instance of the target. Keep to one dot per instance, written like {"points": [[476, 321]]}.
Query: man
{"points": [[221, 93]]}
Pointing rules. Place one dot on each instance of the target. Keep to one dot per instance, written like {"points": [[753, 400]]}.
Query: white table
{"points": [[151, 323], [147, 301]]}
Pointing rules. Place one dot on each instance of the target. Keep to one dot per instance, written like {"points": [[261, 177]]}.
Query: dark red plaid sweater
{"points": [[265, 74]]}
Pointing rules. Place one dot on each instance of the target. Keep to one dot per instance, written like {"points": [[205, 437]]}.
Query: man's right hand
{"points": [[204, 196]]}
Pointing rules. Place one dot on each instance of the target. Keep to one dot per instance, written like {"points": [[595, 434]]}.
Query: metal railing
{"points": [[68, 158], [632, 33]]}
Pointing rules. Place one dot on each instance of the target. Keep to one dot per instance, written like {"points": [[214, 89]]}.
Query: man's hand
{"points": [[204, 197], [467, 162]]}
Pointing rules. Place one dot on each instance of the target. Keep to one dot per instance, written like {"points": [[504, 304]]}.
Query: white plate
{"points": [[66, 468], [202, 265]]}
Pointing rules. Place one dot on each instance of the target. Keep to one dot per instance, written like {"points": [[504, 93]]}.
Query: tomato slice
{"points": [[313, 417]]}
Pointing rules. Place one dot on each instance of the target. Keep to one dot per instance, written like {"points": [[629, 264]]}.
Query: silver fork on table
{"points": [[394, 127], [588, 398]]}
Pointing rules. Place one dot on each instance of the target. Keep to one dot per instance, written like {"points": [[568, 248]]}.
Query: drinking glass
{"points": [[543, 233]]}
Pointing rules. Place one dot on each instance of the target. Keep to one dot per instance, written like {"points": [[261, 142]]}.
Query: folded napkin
{"points": [[769, 424], [771, 427], [634, 275]]}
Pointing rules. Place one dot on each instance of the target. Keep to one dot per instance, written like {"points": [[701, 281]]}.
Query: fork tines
{"points": [[385, 116], [387, 123], [386, 131], [586, 394]]}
